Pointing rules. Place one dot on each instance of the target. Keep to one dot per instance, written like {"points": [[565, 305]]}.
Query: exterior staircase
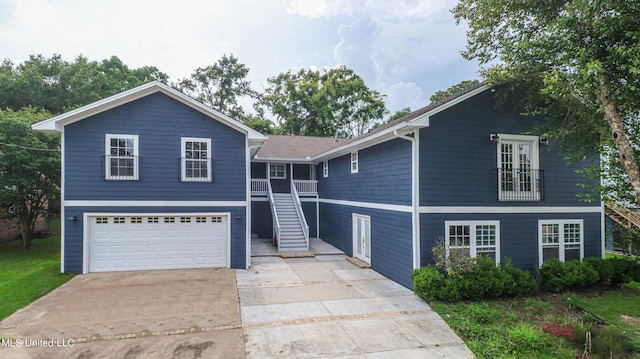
{"points": [[622, 214], [292, 238]]}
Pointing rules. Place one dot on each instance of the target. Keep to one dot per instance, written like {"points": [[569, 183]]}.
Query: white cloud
{"points": [[322, 8]]}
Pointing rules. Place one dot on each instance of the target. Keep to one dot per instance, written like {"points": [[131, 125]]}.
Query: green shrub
{"points": [[560, 276], [520, 282], [604, 267], [428, 282], [625, 270], [553, 277], [480, 279], [525, 340], [602, 341]]}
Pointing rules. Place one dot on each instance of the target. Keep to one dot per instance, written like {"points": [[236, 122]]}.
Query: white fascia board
{"points": [[57, 123], [387, 134], [368, 141], [282, 160], [424, 118]]}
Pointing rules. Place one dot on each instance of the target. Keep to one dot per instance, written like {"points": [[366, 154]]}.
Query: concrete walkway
{"points": [[326, 307]]}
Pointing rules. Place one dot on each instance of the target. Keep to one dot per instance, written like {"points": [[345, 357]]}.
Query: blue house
{"points": [[152, 179]]}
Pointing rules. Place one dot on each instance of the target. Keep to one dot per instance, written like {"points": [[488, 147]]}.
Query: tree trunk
{"points": [[25, 231], [618, 133]]}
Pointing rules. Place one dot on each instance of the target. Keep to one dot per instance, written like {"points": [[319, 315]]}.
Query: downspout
{"points": [[415, 192]]}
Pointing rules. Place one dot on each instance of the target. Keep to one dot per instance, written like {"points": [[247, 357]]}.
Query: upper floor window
{"points": [[196, 159], [354, 162], [519, 174], [562, 239], [121, 157], [277, 171], [472, 239], [325, 169]]}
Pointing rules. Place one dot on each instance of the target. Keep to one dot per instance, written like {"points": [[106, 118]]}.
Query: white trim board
{"points": [[372, 205], [515, 210], [115, 203]]}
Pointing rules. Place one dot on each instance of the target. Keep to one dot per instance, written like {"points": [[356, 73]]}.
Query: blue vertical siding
{"points": [[458, 161], [518, 233], [391, 240], [160, 122], [73, 249]]}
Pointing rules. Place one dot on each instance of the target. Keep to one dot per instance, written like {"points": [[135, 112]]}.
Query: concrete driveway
{"points": [[152, 314], [316, 307], [326, 307]]}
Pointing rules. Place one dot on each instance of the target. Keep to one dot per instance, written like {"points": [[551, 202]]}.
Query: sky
{"points": [[405, 49]]}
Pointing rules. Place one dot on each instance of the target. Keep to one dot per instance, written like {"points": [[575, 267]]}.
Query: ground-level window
{"points": [[473, 238], [277, 171], [562, 239]]}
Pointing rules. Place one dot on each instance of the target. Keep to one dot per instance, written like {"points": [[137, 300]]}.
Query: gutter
{"points": [[415, 191]]}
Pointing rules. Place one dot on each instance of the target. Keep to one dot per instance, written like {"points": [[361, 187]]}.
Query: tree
{"points": [[220, 85], [400, 113], [442, 94], [29, 167], [57, 86], [575, 62], [322, 103]]}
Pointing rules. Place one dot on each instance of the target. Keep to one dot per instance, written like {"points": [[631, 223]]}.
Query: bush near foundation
{"points": [[559, 276], [480, 278]]}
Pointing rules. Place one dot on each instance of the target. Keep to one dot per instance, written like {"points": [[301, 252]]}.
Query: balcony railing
{"points": [[259, 186], [520, 185], [306, 186]]}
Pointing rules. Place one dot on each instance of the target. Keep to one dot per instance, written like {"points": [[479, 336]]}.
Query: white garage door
{"points": [[122, 243]]}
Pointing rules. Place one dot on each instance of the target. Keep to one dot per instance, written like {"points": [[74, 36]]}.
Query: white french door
{"points": [[362, 237]]}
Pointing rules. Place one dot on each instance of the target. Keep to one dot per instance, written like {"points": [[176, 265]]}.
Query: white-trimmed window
{"points": [[354, 162], [519, 176], [325, 169], [121, 157], [473, 238], [562, 239], [277, 171], [195, 161]]}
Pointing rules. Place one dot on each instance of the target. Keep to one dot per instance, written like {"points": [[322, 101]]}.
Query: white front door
{"points": [[362, 237]]}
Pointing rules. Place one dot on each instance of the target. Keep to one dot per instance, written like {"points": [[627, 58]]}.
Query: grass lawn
{"points": [[550, 326], [26, 275]]}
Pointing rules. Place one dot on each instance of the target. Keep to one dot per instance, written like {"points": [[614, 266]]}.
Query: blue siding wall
{"points": [[384, 175], [309, 209], [258, 170], [160, 122], [458, 161], [73, 249], [391, 244], [261, 221], [518, 234]]}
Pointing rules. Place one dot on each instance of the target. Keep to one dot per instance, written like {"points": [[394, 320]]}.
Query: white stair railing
{"points": [[298, 206], [274, 215], [306, 186]]}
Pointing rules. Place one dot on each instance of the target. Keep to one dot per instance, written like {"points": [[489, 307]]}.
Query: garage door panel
{"points": [[118, 243]]}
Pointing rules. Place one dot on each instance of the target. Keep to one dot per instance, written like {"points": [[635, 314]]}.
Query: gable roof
{"points": [[291, 148], [57, 123], [403, 125]]}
